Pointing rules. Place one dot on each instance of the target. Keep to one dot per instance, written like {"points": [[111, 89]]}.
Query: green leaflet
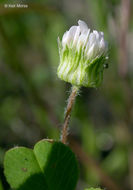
{"points": [[49, 166], [1, 186]]}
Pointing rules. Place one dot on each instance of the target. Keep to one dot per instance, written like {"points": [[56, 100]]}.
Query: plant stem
{"points": [[71, 101]]}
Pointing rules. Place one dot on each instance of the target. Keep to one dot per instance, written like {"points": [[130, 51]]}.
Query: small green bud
{"points": [[82, 56]]}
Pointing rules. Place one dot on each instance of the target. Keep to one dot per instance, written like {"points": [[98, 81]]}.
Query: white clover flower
{"points": [[82, 56]]}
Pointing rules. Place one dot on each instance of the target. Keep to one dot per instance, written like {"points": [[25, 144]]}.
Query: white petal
{"points": [[69, 36], [91, 40], [76, 37], [83, 26], [80, 36], [96, 34], [103, 45], [101, 33], [83, 39], [87, 36], [90, 51], [72, 31], [65, 38]]}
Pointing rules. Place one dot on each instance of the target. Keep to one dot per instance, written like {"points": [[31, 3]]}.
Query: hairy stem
{"points": [[71, 101]]}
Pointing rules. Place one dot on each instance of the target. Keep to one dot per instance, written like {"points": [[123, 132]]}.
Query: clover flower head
{"points": [[83, 56]]}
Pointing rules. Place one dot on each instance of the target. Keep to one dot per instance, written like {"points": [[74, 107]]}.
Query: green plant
{"points": [[52, 165], [47, 166]]}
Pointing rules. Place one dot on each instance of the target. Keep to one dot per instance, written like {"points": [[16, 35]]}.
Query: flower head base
{"points": [[82, 56]]}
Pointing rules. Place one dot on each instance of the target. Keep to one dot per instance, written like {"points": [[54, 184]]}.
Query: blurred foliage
{"points": [[32, 98]]}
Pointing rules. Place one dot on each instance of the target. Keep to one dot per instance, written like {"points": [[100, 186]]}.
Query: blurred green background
{"points": [[32, 98]]}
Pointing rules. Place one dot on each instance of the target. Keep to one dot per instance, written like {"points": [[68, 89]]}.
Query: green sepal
{"points": [[76, 69]]}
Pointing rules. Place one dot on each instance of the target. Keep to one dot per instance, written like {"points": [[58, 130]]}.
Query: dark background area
{"points": [[33, 99]]}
